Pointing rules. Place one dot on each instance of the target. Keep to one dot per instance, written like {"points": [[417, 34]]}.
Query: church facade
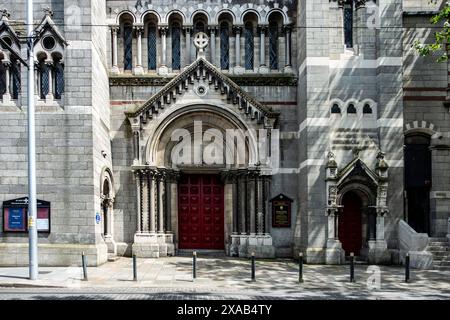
{"points": [[271, 127]]}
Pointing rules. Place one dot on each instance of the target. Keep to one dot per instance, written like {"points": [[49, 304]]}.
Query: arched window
{"points": [[418, 178], [59, 79], [2, 80], [151, 43], [348, 24], [273, 45], [128, 47], [351, 109], [44, 79], [367, 109], [176, 50], [199, 27], [249, 46], [335, 108], [224, 46], [16, 84]]}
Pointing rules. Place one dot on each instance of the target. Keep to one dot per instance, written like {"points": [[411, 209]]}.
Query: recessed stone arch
{"points": [[212, 115], [226, 14], [151, 15], [126, 15], [421, 127], [285, 18]]}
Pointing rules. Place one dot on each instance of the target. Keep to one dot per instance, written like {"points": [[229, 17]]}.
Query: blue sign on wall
{"points": [[16, 219], [97, 218]]}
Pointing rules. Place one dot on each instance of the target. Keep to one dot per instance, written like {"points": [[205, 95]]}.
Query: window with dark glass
{"points": [[176, 46], [348, 24], [273, 45], [2, 80], [59, 79], [16, 84], [128, 47], [44, 80], [224, 46], [351, 108], [151, 43], [249, 46], [335, 108], [367, 109]]}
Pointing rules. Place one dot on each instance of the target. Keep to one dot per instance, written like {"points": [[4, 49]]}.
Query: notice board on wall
{"points": [[15, 215]]}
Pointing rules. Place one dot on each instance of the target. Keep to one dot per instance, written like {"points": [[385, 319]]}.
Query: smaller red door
{"points": [[350, 224]]}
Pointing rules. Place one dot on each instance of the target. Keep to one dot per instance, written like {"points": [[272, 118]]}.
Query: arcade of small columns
{"points": [[248, 189], [139, 30]]}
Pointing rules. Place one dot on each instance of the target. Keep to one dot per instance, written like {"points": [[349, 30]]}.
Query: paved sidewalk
{"points": [[229, 278]]}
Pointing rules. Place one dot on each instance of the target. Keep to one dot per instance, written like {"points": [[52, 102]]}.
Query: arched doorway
{"points": [[105, 207], [418, 181], [350, 223]]}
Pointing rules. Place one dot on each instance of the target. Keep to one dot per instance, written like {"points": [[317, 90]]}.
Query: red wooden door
{"points": [[350, 224], [201, 212]]}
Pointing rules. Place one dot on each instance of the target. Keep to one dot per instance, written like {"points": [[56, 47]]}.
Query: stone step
{"points": [[112, 257], [437, 248], [441, 268], [443, 264], [440, 239], [439, 243], [439, 253]]}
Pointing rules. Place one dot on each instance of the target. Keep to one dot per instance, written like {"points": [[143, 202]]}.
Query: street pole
{"points": [[32, 206]]}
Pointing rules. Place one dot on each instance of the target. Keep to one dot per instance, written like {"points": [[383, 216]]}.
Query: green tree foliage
{"points": [[441, 37]]}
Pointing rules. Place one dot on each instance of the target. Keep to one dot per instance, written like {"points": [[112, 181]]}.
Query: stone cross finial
{"points": [[5, 14], [356, 151], [48, 11], [201, 42]]}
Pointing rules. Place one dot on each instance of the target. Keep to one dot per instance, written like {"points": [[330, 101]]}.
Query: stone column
{"points": [[252, 202], [161, 179], [242, 194], [234, 184], [163, 70], [136, 147], [152, 211], [139, 221], [213, 44], [49, 96], [379, 232], [138, 69], [260, 203], [287, 41], [238, 69], [37, 91], [188, 46], [115, 67], [167, 200], [262, 51], [7, 65], [372, 223], [334, 254]]}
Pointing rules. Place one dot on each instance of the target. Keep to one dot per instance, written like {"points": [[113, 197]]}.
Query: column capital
{"points": [[163, 29], [114, 28], [138, 28], [213, 28], [6, 63], [238, 29]]}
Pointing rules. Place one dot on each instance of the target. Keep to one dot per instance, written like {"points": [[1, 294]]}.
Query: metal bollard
{"points": [[253, 267], [352, 267], [194, 265], [134, 268], [300, 267], [407, 267], [84, 264]]}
